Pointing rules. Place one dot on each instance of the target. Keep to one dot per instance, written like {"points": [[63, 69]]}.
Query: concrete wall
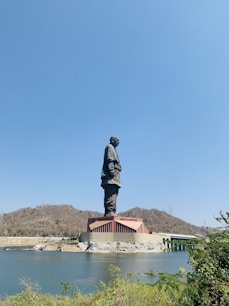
{"points": [[121, 237], [25, 241]]}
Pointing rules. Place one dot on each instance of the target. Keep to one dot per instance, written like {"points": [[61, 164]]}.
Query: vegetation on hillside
{"points": [[160, 221], [66, 221], [46, 220], [205, 285]]}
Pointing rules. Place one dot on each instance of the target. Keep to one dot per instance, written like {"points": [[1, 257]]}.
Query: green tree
{"points": [[208, 281]]}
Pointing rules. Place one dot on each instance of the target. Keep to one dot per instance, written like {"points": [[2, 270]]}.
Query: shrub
{"points": [[208, 281]]}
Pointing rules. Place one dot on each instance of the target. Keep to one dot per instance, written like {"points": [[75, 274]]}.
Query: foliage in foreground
{"points": [[121, 290], [206, 284]]}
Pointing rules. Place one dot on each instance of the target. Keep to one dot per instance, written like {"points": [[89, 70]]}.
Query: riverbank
{"points": [[39, 243], [83, 270], [120, 290], [69, 245]]}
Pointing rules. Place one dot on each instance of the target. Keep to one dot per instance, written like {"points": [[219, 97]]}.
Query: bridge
{"points": [[174, 241]]}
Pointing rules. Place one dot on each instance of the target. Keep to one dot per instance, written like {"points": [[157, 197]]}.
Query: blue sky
{"points": [[155, 73]]}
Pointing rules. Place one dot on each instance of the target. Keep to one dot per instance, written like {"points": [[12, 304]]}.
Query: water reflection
{"points": [[83, 271]]}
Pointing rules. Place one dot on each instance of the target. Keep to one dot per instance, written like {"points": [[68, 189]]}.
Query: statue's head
{"points": [[114, 140]]}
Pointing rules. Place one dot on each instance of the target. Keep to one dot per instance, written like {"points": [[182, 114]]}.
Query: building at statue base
{"points": [[116, 224], [118, 229]]}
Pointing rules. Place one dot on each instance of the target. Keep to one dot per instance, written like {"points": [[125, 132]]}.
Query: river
{"points": [[82, 270]]}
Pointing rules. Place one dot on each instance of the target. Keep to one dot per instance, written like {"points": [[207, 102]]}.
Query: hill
{"points": [[159, 221], [67, 221]]}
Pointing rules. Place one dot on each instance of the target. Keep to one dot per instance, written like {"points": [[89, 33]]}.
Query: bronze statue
{"points": [[111, 176]]}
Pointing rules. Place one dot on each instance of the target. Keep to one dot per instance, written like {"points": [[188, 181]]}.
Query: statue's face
{"points": [[115, 141]]}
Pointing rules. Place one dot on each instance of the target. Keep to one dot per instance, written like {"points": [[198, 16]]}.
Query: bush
{"points": [[208, 281]]}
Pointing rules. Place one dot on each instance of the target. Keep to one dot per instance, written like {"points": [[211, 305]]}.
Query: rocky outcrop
{"points": [[121, 247]]}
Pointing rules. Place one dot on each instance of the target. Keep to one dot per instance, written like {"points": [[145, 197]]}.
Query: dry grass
{"points": [[66, 221]]}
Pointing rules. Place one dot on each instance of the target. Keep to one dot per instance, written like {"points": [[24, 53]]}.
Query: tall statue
{"points": [[111, 176]]}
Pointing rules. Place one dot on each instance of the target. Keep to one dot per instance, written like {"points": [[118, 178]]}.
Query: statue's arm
{"points": [[110, 158], [110, 166]]}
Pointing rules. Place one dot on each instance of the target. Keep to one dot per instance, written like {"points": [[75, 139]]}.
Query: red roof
{"points": [[97, 224], [131, 224]]}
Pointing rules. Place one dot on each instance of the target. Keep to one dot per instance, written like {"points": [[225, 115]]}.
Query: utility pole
{"points": [[1, 218]]}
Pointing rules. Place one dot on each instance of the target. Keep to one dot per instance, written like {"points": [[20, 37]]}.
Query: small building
{"points": [[116, 224]]}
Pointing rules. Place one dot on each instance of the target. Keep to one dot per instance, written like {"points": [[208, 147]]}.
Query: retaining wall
{"points": [[25, 241], [121, 237]]}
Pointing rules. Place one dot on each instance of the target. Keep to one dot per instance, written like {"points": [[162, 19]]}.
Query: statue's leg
{"points": [[110, 197]]}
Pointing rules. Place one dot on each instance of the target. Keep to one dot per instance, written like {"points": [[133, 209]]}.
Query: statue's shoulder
{"points": [[109, 146], [110, 152]]}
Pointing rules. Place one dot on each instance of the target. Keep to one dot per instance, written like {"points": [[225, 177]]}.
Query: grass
{"points": [[122, 290]]}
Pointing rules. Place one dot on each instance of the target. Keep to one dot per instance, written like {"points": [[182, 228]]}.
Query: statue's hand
{"points": [[112, 173], [111, 169]]}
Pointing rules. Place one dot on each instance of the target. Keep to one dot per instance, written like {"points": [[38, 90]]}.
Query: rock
{"points": [[121, 247]]}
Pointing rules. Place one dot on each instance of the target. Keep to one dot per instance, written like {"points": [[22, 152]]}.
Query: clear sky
{"points": [[154, 73]]}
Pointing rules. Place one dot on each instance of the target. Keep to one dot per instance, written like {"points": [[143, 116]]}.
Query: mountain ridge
{"points": [[67, 221]]}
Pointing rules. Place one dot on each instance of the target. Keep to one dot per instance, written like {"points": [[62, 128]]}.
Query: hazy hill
{"points": [[46, 220], [65, 220], [159, 221]]}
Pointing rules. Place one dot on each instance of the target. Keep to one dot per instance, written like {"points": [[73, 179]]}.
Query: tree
{"points": [[208, 281]]}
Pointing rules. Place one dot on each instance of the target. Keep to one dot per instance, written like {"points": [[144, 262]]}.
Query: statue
{"points": [[111, 176]]}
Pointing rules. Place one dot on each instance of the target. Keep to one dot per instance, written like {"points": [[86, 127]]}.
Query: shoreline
{"points": [[65, 244]]}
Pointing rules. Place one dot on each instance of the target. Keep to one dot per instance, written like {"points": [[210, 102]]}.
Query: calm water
{"points": [[82, 270]]}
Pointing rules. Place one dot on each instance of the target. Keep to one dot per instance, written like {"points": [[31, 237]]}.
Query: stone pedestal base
{"points": [[121, 237]]}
